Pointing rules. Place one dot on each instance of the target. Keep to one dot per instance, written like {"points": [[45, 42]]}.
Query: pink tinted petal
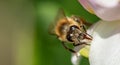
{"points": [[108, 14], [105, 9], [106, 3], [86, 5]]}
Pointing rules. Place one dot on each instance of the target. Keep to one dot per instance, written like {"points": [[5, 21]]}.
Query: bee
{"points": [[70, 29]]}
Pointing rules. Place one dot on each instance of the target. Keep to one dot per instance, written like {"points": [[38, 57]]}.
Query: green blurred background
{"points": [[24, 32]]}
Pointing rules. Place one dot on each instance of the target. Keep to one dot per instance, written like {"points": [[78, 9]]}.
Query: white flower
{"points": [[105, 47]]}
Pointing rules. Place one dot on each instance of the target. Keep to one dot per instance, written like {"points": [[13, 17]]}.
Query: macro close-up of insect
{"points": [[70, 30]]}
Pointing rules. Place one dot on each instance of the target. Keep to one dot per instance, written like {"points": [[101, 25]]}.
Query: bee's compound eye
{"points": [[69, 37], [73, 27]]}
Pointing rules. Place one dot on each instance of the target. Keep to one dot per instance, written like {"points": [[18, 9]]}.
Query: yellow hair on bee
{"points": [[61, 29]]}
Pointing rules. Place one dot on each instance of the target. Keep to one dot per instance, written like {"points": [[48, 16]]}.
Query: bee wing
{"points": [[60, 15], [51, 28]]}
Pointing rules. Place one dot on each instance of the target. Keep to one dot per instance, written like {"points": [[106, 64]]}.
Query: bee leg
{"points": [[76, 44], [84, 28], [71, 50], [80, 44]]}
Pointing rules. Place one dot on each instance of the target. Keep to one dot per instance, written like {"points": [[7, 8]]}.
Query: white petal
{"points": [[105, 47], [75, 59]]}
